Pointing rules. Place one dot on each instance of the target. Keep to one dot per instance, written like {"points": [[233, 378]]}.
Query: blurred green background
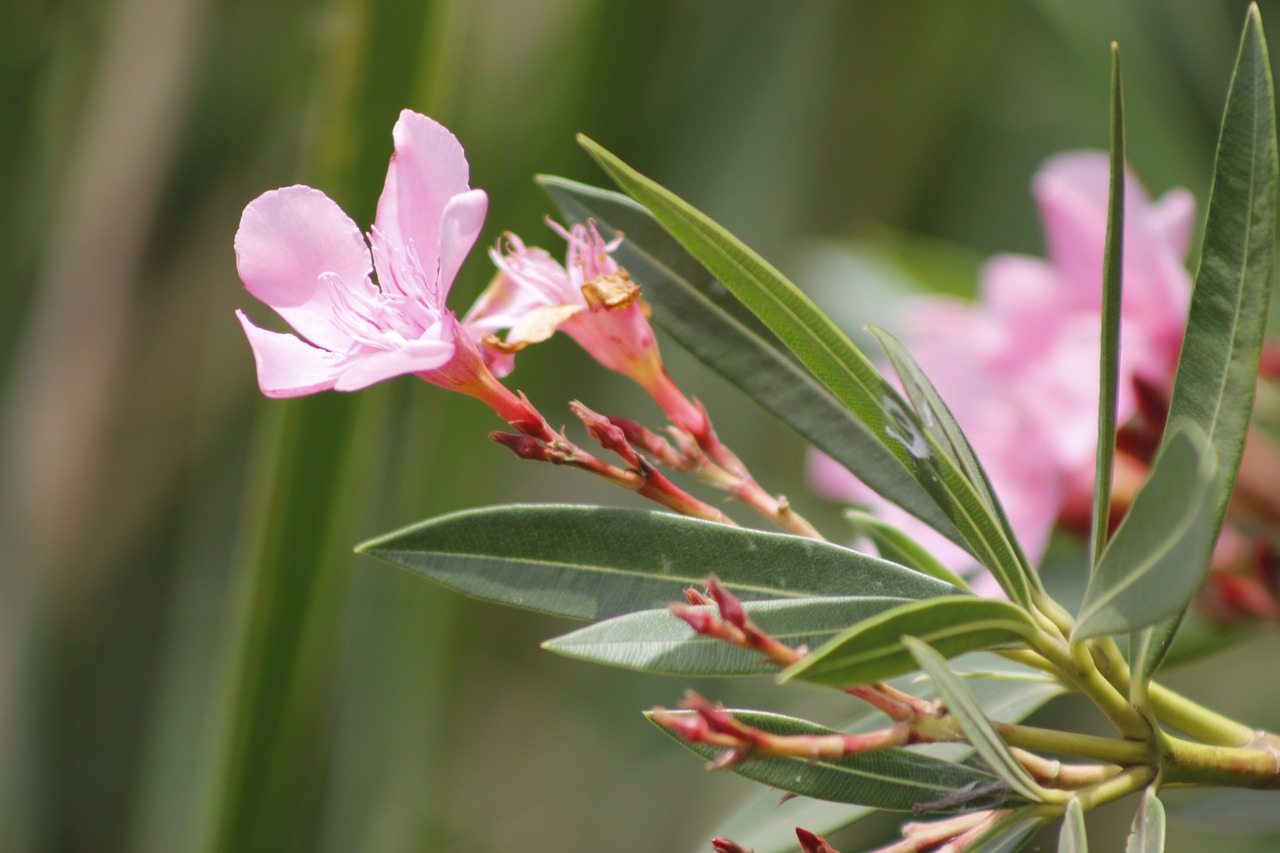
{"points": [[190, 656]]}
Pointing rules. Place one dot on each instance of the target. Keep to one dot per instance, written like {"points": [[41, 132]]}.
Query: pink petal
{"points": [[412, 357], [1072, 191], [460, 225], [527, 279], [287, 366], [293, 246], [832, 480], [1024, 297], [1174, 217], [427, 170]]}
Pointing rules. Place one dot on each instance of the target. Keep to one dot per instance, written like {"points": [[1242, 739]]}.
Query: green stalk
{"points": [[1192, 718], [1110, 750], [1186, 762]]}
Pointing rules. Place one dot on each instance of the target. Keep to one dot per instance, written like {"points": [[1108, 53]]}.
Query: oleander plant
{"points": [[1102, 392]]}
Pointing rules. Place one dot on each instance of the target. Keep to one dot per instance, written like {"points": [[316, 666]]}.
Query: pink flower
{"points": [[300, 254], [592, 299], [1019, 368]]}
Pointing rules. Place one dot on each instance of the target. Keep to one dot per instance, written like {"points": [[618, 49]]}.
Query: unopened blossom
{"points": [[1019, 367], [300, 254], [591, 299]]}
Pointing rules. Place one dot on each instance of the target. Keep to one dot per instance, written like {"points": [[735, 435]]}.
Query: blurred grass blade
{"points": [[1073, 838], [657, 641], [1218, 366], [706, 319], [588, 562], [1160, 552], [1112, 290], [837, 363], [282, 654], [1011, 567], [893, 779], [964, 706], [1147, 833], [873, 649], [896, 546]]}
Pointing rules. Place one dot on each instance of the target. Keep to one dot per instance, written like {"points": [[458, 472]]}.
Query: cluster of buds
{"points": [[719, 614], [705, 722]]}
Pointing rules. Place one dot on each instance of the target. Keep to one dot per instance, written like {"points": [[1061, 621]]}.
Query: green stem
{"points": [[1077, 666], [1193, 763], [1110, 750], [1123, 784], [1193, 719]]}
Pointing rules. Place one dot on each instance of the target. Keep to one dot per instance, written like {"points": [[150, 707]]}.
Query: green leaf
{"points": [[588, 562], [823, 348], [1160, 552], [1112, 288], [967, 711], [1218, 366], [657, 641], [896, 546], [695, 309], [1007, 692], [873, 650], [894, 779], [1147, 833], [1008, 563], [1073, 838]]}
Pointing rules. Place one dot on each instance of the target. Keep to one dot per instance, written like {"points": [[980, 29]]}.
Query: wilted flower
{"points": [[591, 299]]}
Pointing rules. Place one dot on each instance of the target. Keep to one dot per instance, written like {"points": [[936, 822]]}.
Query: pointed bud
{"points": [[691, 727], [610, 436], [724, 845], [522, 446], [730, 605], [812, 843], [700, 619]]}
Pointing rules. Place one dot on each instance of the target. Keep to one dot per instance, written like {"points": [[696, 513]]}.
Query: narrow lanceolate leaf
{"points": [[829, 354], [1217, 370], [1072, 838], [594, 562], [695, 309], [947, 437], [1109, 365], [897, 547], [965, 708], [1147, 833], [894, 779], [657, 641], [873, 650], [1158, 557]]}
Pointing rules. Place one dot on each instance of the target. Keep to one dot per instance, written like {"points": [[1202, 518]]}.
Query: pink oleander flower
{"points": [[300, 254], [1019, 367], [591, 299]]}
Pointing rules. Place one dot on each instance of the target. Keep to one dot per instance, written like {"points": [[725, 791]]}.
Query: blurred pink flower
{"points": [[300, 254], [591, 299], [1019, 367]]}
